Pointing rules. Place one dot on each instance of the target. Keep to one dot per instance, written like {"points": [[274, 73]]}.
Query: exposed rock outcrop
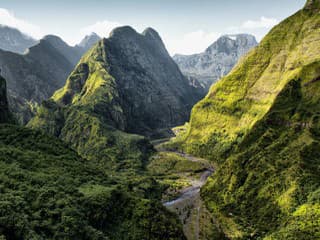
{"points": [[217, 60]]}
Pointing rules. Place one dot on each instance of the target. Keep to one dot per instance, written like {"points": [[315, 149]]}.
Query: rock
{"points": [[217, 60]]}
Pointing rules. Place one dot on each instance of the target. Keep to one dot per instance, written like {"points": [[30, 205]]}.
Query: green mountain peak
{"points": [[131, 81]]}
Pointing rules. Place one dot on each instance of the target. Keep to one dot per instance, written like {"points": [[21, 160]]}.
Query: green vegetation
{"points": [[87, 114], [260, 125], [49, 192], [263, 187], [238, 101], [92, 138]]}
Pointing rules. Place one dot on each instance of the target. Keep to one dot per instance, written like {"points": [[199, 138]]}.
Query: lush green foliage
{"points": [[49, 192]]}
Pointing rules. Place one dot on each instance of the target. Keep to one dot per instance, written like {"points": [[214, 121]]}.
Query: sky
{"points": [[186, 26]]}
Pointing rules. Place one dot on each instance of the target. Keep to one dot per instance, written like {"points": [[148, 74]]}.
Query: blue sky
{"points": [[186, 26]]}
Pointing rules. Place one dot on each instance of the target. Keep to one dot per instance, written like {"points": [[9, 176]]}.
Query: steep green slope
{"points": [[238, 101], [92, 137], [260, 124], [271, 183], [131, 80]]}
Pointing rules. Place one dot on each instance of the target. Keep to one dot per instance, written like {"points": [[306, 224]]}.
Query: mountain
{"points": [[49, 192], [88, 42], [131, 83], [217, 60], [72, 54], [13, 40], [34, 76], [261, 126]]}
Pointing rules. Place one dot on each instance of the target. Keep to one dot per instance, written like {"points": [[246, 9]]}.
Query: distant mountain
{"points": [[217, 60], [72, 54], [13, 40], [88, 41], [34, 76]]}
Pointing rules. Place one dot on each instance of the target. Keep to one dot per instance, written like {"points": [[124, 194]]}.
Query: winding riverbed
{"points": [[188, 205]]}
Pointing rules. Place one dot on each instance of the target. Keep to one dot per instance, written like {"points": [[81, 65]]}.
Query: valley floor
{"points": [[185, 175]]}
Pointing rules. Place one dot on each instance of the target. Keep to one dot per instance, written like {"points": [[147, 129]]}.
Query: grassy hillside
{"points": [[238, 101], [270, 185], [49, 192], [260, 124]]}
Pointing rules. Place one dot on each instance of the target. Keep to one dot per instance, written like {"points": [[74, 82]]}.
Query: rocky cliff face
{"points": [[217, 60], [34, 76], [260, 124], [4, 109], [13, 40], [132, 82]]}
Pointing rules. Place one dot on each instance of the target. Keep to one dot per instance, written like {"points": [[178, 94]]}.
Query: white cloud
{"points": [[263, 22], [102, 28], [8, 18], [259, 27], [190, 43]]}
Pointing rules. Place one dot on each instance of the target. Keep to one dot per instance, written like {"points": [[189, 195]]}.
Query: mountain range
{"points": [[97, 159], [34, 76], [217, 60]]}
